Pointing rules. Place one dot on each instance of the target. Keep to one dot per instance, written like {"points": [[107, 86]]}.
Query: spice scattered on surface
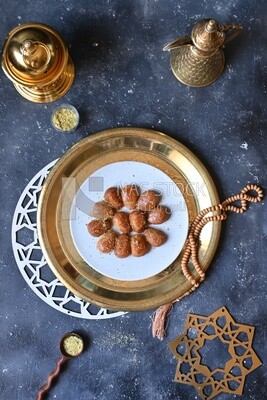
{"points": [[65, 119], [73, 345]]}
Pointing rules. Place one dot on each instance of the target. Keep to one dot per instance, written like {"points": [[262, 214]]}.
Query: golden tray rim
{"points": [[94, 151]]}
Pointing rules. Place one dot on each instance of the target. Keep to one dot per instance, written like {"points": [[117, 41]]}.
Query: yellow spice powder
{"points": [[73, 345], [64, 119]]}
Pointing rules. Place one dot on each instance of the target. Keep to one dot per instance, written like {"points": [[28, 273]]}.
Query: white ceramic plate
{"points": [[146, 177]]}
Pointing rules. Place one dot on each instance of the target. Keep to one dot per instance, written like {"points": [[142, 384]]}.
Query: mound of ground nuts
{"points": [[128, 232]]}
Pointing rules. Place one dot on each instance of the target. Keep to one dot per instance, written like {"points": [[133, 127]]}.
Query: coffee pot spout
{"points": [[183, 40]]}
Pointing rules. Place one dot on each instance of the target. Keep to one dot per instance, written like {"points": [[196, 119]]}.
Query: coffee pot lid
{"points": [[207, 36]]}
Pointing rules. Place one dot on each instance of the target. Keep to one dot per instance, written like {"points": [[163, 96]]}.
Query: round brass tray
{"points": [[79, 162]]}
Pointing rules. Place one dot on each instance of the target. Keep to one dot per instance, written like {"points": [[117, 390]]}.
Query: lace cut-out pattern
{"points": [[189, 349], [31, 261]]}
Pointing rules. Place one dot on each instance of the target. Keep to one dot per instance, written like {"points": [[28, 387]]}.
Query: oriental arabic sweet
{"points": [[122, 221]]}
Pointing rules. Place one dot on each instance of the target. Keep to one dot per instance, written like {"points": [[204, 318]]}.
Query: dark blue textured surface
{"points": [[123, 79]]}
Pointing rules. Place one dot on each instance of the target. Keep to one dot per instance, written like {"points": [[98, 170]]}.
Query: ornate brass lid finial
{"points": [[211, 25], [36, 60], [35, 54], [199, 60]]}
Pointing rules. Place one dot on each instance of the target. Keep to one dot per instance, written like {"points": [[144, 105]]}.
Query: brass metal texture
{"points": [[189, 348], [207, 36], [200, 61], [79, 162], [35, 58], [196, 72]]}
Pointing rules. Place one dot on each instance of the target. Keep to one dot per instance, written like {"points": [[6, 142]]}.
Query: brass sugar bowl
{"points": [[199, 60], [36, 60]]}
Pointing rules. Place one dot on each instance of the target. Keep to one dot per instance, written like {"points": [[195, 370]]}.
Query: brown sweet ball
{"points": [[159, 215], [139, 245], [121, 222], [138, 221], [113, 197], [155, 237], [148, 200], [130, 195], [97, 227], [107, 242], [102, 210], [122, 247]]}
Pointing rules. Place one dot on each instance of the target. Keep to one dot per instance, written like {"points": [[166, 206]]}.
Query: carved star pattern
{"points": [[188, 347], [31, 261]]}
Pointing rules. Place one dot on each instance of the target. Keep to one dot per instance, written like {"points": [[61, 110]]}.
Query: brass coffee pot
{"points": [[36, 60], [199, 60]]}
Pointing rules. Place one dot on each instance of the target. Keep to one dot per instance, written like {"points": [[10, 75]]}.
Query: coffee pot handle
{"points": [[231, 31]]}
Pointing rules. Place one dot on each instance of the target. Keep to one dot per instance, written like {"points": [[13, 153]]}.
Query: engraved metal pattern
{"points": [[241, 358], [31, 261], [200, 62], [207, 36], [194, 71]]}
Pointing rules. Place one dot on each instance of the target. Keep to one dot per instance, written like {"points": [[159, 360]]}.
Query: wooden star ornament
{"points": [[189, 349]]}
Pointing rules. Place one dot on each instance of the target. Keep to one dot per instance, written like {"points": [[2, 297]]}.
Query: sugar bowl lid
{"points": [[34, 53], [207, 35]]}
